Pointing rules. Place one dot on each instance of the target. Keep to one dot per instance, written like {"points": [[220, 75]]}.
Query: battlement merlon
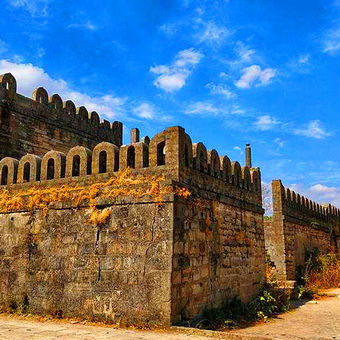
{"points": [[169, 153], [62, 121], [292, 204]]}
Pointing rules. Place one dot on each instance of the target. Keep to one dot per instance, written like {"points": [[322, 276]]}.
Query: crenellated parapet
{"points": [[170, 152], [294, 205], [44, 122], [298, 226]]}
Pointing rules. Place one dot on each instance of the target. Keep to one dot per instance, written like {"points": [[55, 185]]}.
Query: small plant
{"points": [[321, 271], [20, 307]]}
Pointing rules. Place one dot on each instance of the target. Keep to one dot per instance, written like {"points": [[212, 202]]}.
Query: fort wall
{"points": [[153, 261], [298, 226], [46, 123]]}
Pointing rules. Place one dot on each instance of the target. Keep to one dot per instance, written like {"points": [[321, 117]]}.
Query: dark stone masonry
{"points": [[150, 262]]}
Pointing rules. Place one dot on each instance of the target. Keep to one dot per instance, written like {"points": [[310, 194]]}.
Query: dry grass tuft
{"points": [[123, 184]]}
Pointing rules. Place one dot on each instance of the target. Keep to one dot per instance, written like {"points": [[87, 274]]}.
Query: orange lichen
{"points": [[99, 217], [124, 184]]}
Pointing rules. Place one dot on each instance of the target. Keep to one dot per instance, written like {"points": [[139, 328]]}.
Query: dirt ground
{"points": [[313, 320], [317, 319]]}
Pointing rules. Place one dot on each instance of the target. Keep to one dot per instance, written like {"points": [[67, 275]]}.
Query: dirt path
{"points": [[314, 320]]}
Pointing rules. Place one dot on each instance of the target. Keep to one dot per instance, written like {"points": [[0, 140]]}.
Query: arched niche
{"points": [[53, 165], [40, 95], [105, 156], [29, 168], [8, 170], [78, 162]]}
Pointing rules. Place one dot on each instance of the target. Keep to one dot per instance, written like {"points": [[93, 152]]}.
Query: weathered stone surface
{"points": [[297, 227], [150, 263], [66, 265], [41, 124]]}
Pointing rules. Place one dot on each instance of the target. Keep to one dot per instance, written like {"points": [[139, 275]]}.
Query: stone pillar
{"points": [[134, 136], [248, 155]]}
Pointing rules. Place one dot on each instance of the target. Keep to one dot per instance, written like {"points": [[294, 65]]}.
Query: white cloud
{"points": [[169, 29], [237, 148], [212, 34], [279, 142], [304, 59], [245, 54], [300, 64], [186, 58], [313, 130], [255, 75], [266, 122], [201, 108], [220, 89], [224, 75], [206, 108], [173, 77], [148, 111], [36, 8], [331, 41], [83, 25], [145, 110], [30, 77], [324, 193]]}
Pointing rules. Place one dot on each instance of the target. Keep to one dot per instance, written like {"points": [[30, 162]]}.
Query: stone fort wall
{"points": [[45, 123], [156, 260], [150, 262], [298, 226]]}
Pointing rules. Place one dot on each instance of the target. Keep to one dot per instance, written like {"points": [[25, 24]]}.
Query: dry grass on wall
{"points": [[123, 184]]}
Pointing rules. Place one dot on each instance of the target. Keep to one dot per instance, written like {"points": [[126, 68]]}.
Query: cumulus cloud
{"points": [[313, 129], [145, 110], [220, 89], [254, 75], [30, 77], [266, 122], [173, 77], [324, 193]]}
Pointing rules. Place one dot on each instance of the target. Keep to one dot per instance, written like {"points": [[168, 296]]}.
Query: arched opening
{"points": [[102, 162], [131, 155], [161, 153], [186, 155], [76, 166], [116, 162], [27, 172], [50, 168], [4, 175]]}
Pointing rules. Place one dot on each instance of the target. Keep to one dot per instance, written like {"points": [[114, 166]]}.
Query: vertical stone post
{"points": [[274, 232], [134, 136], [248, 155]]}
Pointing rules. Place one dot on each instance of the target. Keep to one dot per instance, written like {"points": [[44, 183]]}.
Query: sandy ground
{"points": [[314, 320], [318, 319]]}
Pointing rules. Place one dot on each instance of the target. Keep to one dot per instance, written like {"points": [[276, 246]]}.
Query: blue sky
{"points": [[230, 72]]}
